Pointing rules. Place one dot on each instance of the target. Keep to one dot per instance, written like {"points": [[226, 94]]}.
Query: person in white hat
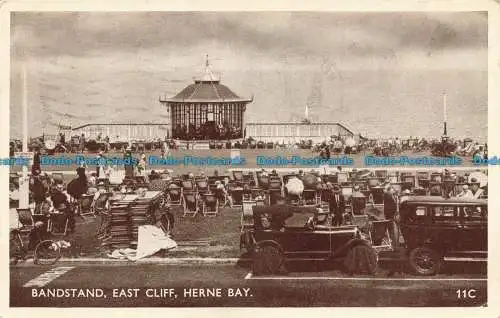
{"points": [[465, 193], [100, 165], [141, 168]]}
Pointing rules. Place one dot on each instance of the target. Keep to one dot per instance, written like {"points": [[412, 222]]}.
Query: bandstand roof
{"points": [[206, 88]]}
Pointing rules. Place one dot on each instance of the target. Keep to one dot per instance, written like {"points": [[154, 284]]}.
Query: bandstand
{"points": [[206, 110]]}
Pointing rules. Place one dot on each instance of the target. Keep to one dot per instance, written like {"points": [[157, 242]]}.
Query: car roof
{"points": [[413, 200]]}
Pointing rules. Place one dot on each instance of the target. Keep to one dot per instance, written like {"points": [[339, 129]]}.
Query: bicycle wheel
{"points": [[165, 224], [46, 253]]}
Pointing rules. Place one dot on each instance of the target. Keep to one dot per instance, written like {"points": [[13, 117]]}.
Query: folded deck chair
{"points": [[210, 205], [190, 203], [101, 203], [85, 205], [58, 223], [25, 220], [247, 215], [379, 235], [174, 195], [237, 197]]}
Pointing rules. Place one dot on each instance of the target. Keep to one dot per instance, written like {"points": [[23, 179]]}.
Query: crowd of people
{"points": [[224, 137]]}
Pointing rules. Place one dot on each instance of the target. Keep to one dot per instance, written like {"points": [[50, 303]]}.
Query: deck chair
{"points": [[247, 215], [190, 203], [210, 205], [381, 174], [57, 177], [141, 181], [436, 177], [101, 204], [263, 182], [274, 195], [373, 182], [379, 235], [420, 191], [237, 197], [58, 224], [248, 178], [347, 193], [174, 195], [408, 182], [188, 185], [398, 186], [202, 186], [309, 197], [332, 178], [25, 221], [435, 189], [293, 199], [378, 195], [238, 176], [358, 205], [360, 221], [342, 177], [85, 205], [274, 183], [423, 179]]}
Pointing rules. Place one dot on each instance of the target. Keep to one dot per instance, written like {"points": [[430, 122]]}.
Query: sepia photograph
{"points": [[248, 159]]}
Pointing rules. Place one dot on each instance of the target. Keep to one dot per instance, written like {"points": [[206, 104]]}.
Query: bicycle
{"points": [[48, 252]]}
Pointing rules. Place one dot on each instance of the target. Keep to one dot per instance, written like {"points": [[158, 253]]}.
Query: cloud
{"points": [[277, 33]]}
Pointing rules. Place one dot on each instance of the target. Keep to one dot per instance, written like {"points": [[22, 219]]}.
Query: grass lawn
{"points": [[221, 234]]}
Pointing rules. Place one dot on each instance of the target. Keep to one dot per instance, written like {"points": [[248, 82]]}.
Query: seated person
{"points": [[319, 218], [37, 234]]}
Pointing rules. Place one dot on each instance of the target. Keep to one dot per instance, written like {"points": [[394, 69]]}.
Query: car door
{"points": [[302, 242], [474, 233], [444, 231]]}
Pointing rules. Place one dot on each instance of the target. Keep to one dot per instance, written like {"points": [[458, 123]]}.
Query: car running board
{"points": [[464, 259]]}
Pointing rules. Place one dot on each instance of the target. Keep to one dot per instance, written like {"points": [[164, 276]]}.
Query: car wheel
{"points": [[361, 259], [268, 259], [425, 261]]}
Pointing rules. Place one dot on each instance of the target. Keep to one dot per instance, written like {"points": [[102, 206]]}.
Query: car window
{"points": [[297, 220], [475, 213], [444, 213], [420, 211]]}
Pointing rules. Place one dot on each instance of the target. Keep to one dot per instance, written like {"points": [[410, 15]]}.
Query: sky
{"points": [[380, 74]]}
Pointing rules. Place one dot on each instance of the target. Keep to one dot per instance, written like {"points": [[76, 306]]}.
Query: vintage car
{"points": [[438, 230], [282, 233]]}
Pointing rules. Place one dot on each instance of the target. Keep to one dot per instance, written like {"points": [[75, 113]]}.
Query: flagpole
{"points": [[444, 114], [24, 185]]}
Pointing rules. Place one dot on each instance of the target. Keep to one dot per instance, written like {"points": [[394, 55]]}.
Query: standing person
{"points": [[39, 190], [78, 186], [100, 165], [141, 168], [61, 202], [391, 214], [337, 206], [82, 143], [129, 163], [36, 168]]}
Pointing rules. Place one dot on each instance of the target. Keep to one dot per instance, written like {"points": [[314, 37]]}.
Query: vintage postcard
{"points": [[200, 157]]}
